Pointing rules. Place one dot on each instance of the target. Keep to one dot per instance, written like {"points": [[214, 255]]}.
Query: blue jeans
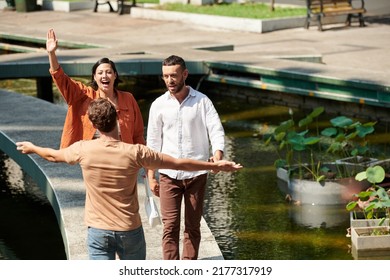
{"points": [[105, 244]]}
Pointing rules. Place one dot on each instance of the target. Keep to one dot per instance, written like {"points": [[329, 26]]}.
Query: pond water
{"points": [[249, 215], [28, 227], [246, 211]]}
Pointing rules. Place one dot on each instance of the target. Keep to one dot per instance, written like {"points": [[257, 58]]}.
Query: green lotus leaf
{"points": [[280, 163], [341, 121], [351, 135], [305, 122], [340, 137], [335, 147], [316, 112], [381, 193], [375, 174], [284, 126], [279, 137], [351, 205], [360, 177], [298, 146], [303, 133], [330, 132], [311, 140], [363, 130]]}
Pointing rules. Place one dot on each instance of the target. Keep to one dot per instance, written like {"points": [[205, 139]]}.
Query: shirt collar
{"points": [[191, 93]]}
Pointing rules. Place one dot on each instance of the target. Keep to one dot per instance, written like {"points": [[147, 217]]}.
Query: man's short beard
{"points": [[179, 87]]}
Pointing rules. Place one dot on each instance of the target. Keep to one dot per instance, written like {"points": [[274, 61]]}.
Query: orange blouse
{"points": [[77, 126]]}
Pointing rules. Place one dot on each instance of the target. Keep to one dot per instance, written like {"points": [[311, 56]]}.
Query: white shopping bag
{"points": [[150, 206]]}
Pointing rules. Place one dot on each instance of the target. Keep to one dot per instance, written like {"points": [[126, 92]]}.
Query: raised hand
{"points": [[51, 41]]}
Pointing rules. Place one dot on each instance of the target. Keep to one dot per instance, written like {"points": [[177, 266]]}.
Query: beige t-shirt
{"points": [[110, 171]]}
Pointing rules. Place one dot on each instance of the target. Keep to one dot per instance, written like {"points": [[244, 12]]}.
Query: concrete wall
{"points": [[256, 96]]}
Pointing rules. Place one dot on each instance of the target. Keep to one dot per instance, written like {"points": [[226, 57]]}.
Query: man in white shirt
{"points": [[182, 123]]}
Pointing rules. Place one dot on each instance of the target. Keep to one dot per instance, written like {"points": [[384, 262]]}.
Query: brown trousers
{"points": [[172, 192]]}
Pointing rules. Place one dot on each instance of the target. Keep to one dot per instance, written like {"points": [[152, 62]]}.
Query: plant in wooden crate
{"points": [[374, 237], [372, 203]]}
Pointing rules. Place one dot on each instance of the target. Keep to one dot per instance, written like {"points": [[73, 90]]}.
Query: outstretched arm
{"points": [[51, 47], [194, 165], [46, 153]]}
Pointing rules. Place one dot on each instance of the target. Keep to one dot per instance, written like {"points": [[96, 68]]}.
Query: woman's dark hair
{"points": [[102, 114], [96, 65]]}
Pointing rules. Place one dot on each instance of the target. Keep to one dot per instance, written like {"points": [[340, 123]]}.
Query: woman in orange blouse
{"points": [[104, 83]]}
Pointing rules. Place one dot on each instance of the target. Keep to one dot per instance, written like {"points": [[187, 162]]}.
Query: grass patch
{"points": [[247, 10], [25, 86], [240, 10], [149, 1]]}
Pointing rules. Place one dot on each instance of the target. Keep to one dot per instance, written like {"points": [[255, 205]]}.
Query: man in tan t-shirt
{"points": [[110, 171]]}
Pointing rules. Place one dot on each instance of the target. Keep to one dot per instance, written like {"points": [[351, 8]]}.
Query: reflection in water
{"points": [[219, 204], [28, 227], [318, 216]]}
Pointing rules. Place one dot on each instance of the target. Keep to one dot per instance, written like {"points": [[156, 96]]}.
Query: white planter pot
{"points": [[328, 192]]}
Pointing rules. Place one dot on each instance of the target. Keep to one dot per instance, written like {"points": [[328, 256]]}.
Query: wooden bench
{"points": [[120, 5], [317, 9]]}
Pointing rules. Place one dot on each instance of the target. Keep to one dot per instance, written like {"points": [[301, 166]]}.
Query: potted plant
{"points": [[307, 178], [371, 233], [371, 207], [294, 142], [350, 140]]}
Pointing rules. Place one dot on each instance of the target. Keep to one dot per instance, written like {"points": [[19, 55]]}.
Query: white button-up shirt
{"points": [[185, 130]]}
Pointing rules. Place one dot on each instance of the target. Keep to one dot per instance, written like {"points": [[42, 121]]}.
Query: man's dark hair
{"points": [[102, 114], [174, 60]]}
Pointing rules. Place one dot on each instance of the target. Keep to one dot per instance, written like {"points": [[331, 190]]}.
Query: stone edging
{"points": [[220, 22]]}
